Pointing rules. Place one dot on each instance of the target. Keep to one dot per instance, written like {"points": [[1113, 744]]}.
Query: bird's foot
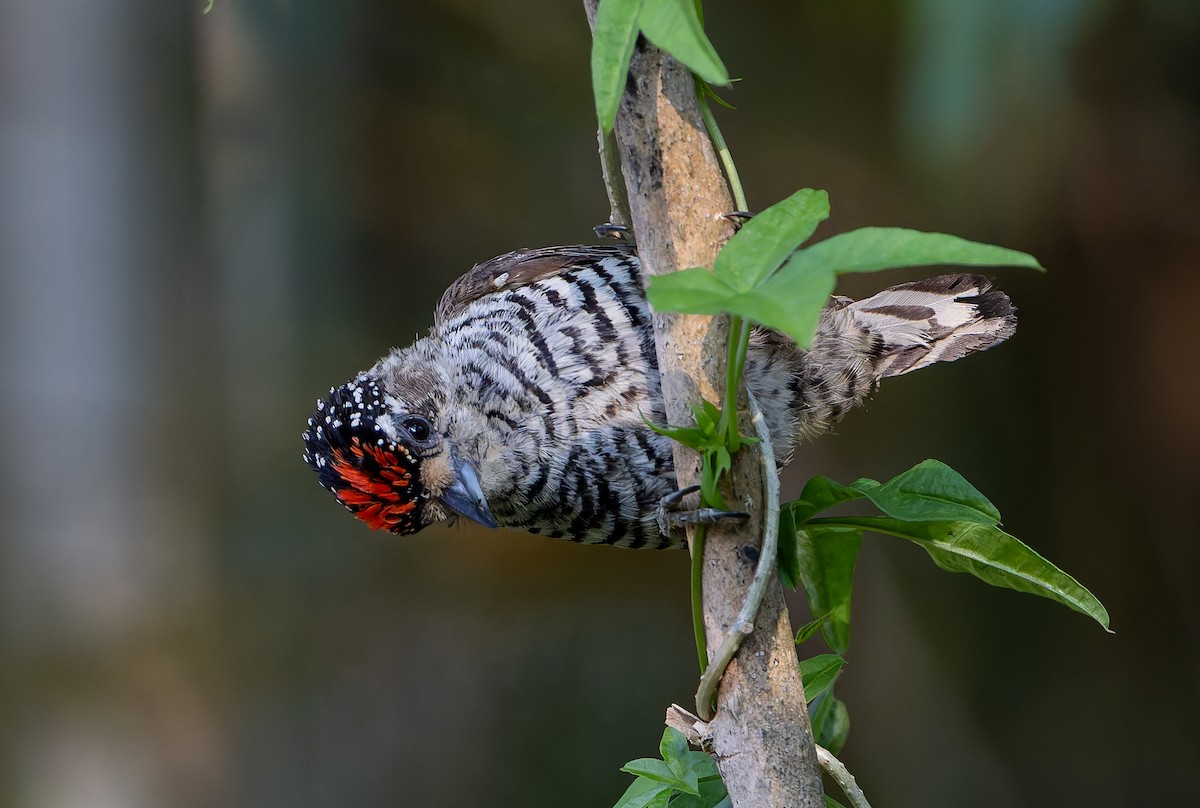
{"points": [[668, 516]]}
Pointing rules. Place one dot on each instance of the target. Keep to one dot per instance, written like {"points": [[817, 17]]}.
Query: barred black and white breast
{"points": [[524, 405]]}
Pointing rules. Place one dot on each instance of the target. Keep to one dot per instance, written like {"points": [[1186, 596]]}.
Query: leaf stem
{"points": [[697, 586], [739, 329], [842, 521], [739, 344], [734, 363]]}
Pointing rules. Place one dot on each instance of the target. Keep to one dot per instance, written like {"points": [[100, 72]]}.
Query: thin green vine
{"points": [[714, 132], [697, 587], [739, 329]]}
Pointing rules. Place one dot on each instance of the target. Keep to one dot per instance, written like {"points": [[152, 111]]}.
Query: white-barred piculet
{"points": [[526, 404]]}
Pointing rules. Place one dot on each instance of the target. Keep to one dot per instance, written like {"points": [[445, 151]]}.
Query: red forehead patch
{"points": [[377, 479], [377, 485]]}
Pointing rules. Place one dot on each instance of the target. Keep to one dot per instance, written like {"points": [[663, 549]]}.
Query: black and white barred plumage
{"points": [[524, 405]]}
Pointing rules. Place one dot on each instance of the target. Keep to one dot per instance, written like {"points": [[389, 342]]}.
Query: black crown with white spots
{"points": [[349, 444], [349, 411]]}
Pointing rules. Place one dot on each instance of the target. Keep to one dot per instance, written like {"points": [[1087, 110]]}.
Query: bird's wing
{"points": [[516, 269]]}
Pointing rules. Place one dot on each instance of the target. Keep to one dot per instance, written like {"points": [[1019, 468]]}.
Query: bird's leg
{"points": [[668, 517]]}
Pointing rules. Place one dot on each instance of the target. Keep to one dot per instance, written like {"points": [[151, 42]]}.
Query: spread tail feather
{"points": [[934, 320], [898, 330]]}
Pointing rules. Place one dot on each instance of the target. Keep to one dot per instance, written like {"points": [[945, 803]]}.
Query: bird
{"points": [[527, 404]]}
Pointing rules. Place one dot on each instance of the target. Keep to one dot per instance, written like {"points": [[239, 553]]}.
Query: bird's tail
{"points": [[934, 320], [904, 328]]}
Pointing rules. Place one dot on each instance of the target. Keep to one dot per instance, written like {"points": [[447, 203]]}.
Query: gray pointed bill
{"points": [[465, 496]]}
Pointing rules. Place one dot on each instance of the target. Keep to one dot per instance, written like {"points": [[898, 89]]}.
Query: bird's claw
{"points": [[737, 217], [669, 518], [610, 230]]}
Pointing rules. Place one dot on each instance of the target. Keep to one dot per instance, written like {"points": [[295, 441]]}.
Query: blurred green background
{"points": [[205, 221]]}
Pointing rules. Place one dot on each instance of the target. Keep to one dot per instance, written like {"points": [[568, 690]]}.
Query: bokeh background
{"points": [[205, 221]]}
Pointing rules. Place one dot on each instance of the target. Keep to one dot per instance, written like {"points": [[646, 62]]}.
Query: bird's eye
{"points": [[418, 427]]}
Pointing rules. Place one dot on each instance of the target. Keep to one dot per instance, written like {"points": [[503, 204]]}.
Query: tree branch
{"points": [[760, 736], [699, 734]]}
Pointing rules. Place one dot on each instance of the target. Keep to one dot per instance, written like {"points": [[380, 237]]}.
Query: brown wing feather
{"points": [[515, 269]]}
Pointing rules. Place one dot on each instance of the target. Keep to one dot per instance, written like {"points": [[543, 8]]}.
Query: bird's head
{"points": [[387, 460]]}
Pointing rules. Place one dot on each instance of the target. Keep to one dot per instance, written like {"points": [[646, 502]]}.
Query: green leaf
{"points": [[674, 748], [661, 800], [701, 437], [819, 494], [769, 238], [831, 723], [827, 559], [873, 248], [690, 291], [787, 559], [712, 795], [655, 769], [615, 34], [690, 436], [682, 772], [704, 438], [708, 480], [818, 673], [707, 416], [986, 552], [808, 629], [716, 462], [652, 768], [690, 776], [790, 299], [930, 491], [707, 91], [788, 302], [830, 802], [674, 26], [824, 559], [702, 764], [642, 793]]}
